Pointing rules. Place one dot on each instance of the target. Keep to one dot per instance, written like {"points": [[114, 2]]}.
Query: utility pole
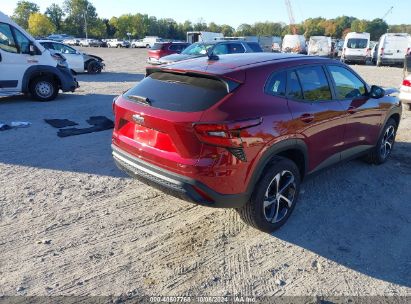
{"points": [[85, 21]]}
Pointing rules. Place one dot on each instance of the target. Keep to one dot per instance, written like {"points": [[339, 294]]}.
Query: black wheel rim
{"points": [[279, 197]]}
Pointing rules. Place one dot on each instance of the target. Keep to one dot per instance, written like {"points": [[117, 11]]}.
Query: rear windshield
{"points": [[357, 43], [255, 47], [157, 46], [176, 92]]}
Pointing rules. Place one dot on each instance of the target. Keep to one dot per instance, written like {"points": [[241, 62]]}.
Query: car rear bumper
{"points": [[353, 58], [175, 184], [392, 60]]}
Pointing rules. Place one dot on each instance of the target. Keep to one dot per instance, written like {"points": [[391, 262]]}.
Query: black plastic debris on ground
{"points": [[60, 123], [99, 123], [4, 127]]}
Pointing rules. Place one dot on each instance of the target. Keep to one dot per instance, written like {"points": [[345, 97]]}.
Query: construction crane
{"points": [[291, 16], [388, 12]]}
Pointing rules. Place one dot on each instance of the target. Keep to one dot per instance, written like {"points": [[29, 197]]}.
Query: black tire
{"points": [[43, 88], [93, 67], [258, 212], [379, 63], [382, 151], [147, 46]]}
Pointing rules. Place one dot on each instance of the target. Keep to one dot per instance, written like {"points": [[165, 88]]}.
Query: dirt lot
{"points": [[72, 224]]}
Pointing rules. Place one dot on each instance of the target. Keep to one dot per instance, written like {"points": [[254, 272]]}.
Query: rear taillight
{"points": [[408, 51], [368, 52], [406, 83], [382, 51], [226, 135]]}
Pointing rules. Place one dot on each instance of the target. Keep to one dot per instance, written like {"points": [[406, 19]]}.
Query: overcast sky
{"points": [[235, 12]]}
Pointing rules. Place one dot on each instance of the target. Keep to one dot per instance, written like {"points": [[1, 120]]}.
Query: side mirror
{"points": [[377, 92], [33, 50]]}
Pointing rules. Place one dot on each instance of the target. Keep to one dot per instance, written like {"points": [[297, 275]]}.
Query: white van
{"points": [[27, 67], [193, 37], [294, 44], [356, 48], [320, 46], [392, 48], [149, 41]]}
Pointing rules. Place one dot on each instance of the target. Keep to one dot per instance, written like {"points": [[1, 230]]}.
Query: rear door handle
{"points": [[307, 118]]}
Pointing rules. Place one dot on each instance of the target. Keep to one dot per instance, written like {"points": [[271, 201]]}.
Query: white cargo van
{"points": [[356, 48], [27, 67], [149, 41], [193, 37], [392, 48], [320, 46], [294, 44]]}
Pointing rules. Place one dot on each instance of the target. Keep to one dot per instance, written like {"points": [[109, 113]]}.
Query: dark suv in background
{"points": [[242, 131], [200, 49]]}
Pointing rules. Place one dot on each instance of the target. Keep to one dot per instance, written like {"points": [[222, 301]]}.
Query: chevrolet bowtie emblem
{"points": [[138, 119]]}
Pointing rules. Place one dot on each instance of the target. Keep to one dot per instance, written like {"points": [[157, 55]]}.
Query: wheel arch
{"points": [[293, 149], [38, 71]]}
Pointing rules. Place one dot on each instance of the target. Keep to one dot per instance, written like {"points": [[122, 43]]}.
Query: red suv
{"points": [[163, 49], [242, 131]]}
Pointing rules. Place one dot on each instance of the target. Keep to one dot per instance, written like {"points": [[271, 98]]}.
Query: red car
{"points": [[242, 131], [163, 49]]}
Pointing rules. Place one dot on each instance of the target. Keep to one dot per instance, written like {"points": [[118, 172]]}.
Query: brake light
{"points": [[406, 83], [226, 135], [382, 51], [408, 51]]}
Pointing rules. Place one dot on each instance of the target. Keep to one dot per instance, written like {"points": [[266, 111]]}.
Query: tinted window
{"points": [[277, 84], [175, 47], [347, 84], [235, 48], [176, 92], [48, 45], [220, 49], [314, 83], [23, 42], [294, 87], [157, 46], [7, 42], [255, 47], [357, 43], [197, 49]]}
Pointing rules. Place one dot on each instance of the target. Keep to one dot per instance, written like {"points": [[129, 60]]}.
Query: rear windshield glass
{"points": [[255, 47], [157, 46], [175, 92], [357, 43]]}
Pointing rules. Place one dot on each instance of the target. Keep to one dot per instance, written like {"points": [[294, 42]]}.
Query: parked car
{"points": [[90, 43], [77, 61], [320, 46], [72, 41], [294, 44], [405, 91], [392, 48], [356, 48], [59, 37], [216, 47], [26, 67], [117, 43], [243, 131], [149, 41], [162, 49], [138, 44]]}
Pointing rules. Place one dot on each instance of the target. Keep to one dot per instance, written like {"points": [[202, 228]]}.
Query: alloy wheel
{"points": [[387, 142], [279, 197]]}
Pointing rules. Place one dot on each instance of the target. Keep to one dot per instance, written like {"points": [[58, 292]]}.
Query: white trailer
{"points": [[193, 37]]}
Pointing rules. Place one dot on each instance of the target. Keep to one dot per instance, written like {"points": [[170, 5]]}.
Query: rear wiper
{"points": [[141, 99]]}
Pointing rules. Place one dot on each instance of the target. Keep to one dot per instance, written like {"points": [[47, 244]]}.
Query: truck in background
{"points": [[193, 37], [392, 48], [320, 46]]}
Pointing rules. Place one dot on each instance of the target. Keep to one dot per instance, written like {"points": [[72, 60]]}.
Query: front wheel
{"points": [[43, 88], [274, 197], [93, 67], [382, 151]]}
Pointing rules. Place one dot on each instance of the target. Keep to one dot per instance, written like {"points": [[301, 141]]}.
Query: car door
{"points": [[318, 119], [74, 58], [364, 114], [15, 59], [11, 71]]}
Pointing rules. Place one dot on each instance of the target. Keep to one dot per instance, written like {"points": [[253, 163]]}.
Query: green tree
{"points": [[376, 28], [23, 11], [227, 30], [40, 25], [78, 11], [314, 27], [245, 30], [55, 14]]}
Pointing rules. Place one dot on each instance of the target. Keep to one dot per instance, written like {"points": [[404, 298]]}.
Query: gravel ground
{"points": [[72, 224]]}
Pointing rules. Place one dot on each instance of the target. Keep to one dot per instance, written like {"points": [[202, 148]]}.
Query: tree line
{"points": [[73, 16]]}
